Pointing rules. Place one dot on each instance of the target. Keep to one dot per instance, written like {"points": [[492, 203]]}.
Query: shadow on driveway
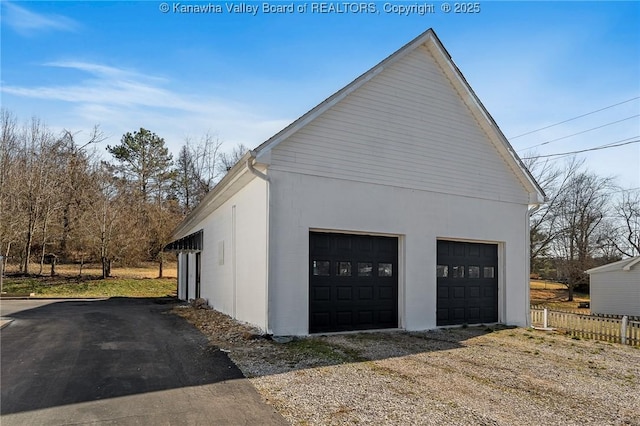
{"points": [[67, 353]]}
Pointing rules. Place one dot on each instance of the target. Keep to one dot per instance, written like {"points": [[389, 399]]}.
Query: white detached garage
{"points": [[615, 288], [395, 203]]}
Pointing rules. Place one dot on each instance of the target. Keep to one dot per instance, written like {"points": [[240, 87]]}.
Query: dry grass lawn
{"points": [[555, 295], [146, 270], [124, 282]]}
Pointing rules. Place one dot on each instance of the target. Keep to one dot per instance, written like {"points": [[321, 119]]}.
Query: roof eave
{"points": [[622, 265]]}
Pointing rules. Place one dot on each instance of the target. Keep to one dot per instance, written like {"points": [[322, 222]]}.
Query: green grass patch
{"points": [[316, 348], [89, 287]]}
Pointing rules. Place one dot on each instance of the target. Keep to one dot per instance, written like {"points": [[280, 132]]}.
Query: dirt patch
{"points": [[469, 375]]}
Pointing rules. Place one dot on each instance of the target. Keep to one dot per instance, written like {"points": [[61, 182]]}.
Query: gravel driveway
{"points": [[458, 376]]}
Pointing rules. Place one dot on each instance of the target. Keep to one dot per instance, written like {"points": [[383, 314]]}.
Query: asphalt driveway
{"points": [[117, 361]]}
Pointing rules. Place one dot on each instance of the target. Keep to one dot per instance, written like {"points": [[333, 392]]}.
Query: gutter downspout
{"points": [[264, 177], [250, 162]]}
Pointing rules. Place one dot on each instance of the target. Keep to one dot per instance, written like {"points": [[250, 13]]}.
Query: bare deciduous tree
{"points": [[196, 171], [545, 226], [581, 211], [228, 160], [625, 232], [38, 154], [9, 217], [76, 187]]}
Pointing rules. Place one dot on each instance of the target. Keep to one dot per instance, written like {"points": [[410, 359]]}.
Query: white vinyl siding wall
{"points": [[300, 203], [406, 127], [234, 263], [616, 292]]}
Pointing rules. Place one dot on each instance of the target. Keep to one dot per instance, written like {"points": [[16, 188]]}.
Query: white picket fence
{"points": [[616, 329]]}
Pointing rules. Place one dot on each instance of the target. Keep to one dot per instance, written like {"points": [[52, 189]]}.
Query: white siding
{"points": [[301, 202], [234, 255], [616, 292], [406, 127]]}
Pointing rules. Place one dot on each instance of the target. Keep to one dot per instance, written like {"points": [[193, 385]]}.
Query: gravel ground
{"points": [[489, 376]]}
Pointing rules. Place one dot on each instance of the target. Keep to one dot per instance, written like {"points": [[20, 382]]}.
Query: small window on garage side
{"points": [[364, 269], [385, 270], [321, 267], [442, 271], [488, 272], [457, 272], [474, 272], [344, 269]]}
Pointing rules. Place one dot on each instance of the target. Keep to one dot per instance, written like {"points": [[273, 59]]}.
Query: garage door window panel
{"points": [[344, 269], [385, 270], [474, 272], [458, 271], [365, 269], [442, 271], [321, 268], [488, 272]]}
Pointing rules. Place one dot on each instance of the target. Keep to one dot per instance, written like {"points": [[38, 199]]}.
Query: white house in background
{"points": [[395, 203], [615, 288]]}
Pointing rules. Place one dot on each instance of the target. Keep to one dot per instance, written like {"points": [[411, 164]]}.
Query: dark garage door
{"points": [[467, 280], [353, 282]]}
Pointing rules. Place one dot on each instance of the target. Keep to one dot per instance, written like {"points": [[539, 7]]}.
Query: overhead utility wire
{"points": [[597, 148], [579, 133], [574, 118], [560, 156], [608, 145]]}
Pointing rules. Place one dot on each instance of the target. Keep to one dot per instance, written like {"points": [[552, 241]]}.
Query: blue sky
{"points": [[126, 65]]}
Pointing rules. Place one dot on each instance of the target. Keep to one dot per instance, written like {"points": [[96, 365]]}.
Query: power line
{"points": [[561, 156], [574, 118], [579, 133], [583, 150]]}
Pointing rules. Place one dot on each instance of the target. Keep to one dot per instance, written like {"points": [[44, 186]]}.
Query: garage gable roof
{"points": [[482, 116], [239, 174], [621, 265]]}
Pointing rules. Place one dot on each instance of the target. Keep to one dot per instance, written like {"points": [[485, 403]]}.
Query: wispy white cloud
{"points": [[27, 23], [116, 87], [122, 100]]}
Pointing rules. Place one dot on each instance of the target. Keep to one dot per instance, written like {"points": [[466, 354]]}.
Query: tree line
{"points": [[59, 195], [587, 221]]}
